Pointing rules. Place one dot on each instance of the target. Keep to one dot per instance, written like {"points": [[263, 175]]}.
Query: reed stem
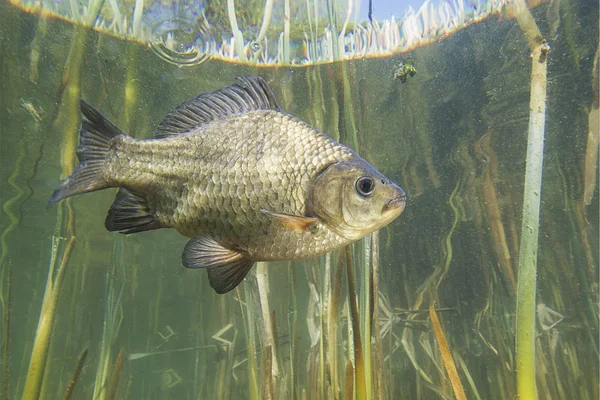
{"points": [[324, 342], [349, 392], [268, 339], [292, 329], [252, 375], [366, 314], [112, 319], [359, 362], [591, 155], [75, 377], [268, 390], [591, 149], [374, 293], [526, 288], [114, 380], [332, 325], [459, 392], [41, 344]]}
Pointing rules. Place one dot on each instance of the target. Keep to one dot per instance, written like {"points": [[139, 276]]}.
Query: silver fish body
{"points": [[246, 181]]}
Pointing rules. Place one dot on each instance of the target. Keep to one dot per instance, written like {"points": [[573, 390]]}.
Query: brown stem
{"points": [[114, 379], [75, 377], [459, 392]]}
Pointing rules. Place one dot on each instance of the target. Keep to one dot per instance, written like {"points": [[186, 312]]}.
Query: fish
{"points": [[240, 177]]}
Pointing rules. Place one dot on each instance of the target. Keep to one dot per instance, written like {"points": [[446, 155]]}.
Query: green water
{"points": [[453, 136]]}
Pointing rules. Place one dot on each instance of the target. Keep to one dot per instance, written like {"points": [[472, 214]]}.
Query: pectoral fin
{"points": [[292, 221], [226, 268]]}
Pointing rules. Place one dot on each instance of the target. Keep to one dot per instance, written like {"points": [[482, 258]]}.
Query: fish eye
{"points": [[365, 186]]}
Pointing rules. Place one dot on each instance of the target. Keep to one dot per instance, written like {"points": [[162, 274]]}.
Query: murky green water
{"points": [[453, 136]]}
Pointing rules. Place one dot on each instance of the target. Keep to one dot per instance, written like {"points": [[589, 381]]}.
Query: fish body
{"points": [[244, 180]]}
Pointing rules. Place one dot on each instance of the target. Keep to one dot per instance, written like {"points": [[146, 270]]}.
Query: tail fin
{"points": [[95, 138]]}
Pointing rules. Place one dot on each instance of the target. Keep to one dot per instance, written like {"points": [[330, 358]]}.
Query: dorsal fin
{"points": [[251, 94]]}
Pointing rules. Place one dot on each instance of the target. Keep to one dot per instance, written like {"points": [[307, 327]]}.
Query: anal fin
{"points": [[130, 213], [226, 268]]}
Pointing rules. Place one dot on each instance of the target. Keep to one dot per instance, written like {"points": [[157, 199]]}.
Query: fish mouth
{"points": [[397, 203]]}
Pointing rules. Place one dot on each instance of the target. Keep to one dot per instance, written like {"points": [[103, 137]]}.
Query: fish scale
{"points": [[244, 180]]}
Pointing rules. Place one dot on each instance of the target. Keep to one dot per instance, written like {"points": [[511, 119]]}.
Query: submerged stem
{"points": [[252, 374], [359, 370], [114, 380], [526, 289], [75, 377], [366, 313], [459, 392], [41, 344], [262, 278]]}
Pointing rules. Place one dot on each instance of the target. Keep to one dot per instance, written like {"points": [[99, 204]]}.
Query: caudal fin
{"points": [[95, 138]]}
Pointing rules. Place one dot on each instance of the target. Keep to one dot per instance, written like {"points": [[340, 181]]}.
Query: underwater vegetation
{"points": [[486, 287]]}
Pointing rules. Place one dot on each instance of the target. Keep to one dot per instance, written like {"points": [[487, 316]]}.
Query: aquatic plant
{"points": [[526, 289]]}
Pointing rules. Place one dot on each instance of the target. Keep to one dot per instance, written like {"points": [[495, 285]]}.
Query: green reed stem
{"points": [[71, 75], [315, 87], [292, 329], [366, 314], [37, 48], [323, 343], [252, 370], [348, 103], [112, 318], [334, 314], [526, 289], [359, 370], [467, 374], [374, 295], [41, 344], [114, 380], [590, 163], [262, 279]]}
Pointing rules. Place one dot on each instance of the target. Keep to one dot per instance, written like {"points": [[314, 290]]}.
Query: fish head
{"points": [[353, 199]]}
